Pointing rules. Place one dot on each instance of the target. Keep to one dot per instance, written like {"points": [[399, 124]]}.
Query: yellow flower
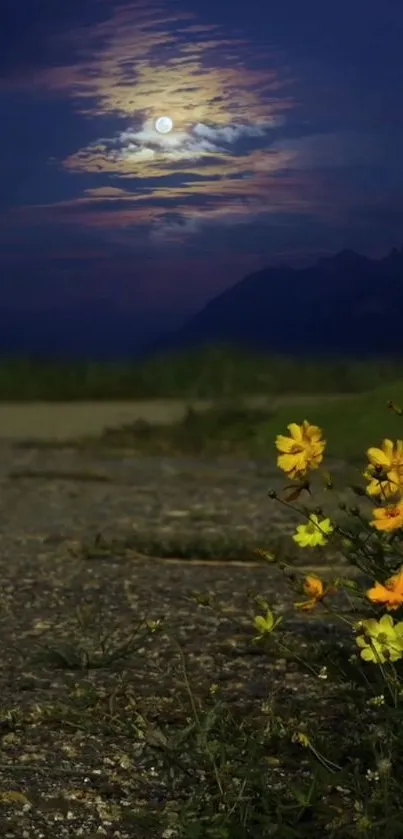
{"points": [[301, 451], [316, 590], [388, 518], [382, 641], [390, 593], [153, 625], [301, 737], [385, 469], [267, 624], [314, 533]]}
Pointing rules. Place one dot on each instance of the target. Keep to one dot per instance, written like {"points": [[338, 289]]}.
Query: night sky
{"points": [[286, 144]]}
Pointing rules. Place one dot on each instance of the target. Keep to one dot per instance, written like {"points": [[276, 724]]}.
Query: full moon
{"points": [[163, 125]]}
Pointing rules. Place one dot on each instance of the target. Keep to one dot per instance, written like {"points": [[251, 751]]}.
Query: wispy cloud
{"points": [[222, 163], [221, 103], [146, 153], [149, 59], [176, 212], [230, 133]]}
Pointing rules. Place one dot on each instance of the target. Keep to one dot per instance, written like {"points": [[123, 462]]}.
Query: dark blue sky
{"points": [[286, 143]]}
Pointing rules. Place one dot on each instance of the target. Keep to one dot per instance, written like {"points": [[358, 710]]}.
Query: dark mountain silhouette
{"points": [[344, 304]]}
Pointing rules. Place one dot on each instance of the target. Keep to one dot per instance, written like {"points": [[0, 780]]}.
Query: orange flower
{"points": [[302, 450], [390, 594], [388, 518], [316, 589]]}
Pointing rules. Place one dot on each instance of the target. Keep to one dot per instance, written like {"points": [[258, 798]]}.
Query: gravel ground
{"points": [[164, 506], [71, 762]]}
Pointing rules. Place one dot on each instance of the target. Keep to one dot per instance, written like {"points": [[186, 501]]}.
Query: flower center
{"points": [[392, 513]]}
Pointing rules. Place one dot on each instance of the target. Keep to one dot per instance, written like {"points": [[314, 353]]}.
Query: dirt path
{"points": [[69, 420]]}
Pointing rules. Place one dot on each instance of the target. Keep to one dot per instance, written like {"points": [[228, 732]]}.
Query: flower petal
{"points": [[388, 449], [284, 444], [386, 623], [292, 463], [296, 431], [313, 432], [313, 585], [326, 526], [378, 457]]}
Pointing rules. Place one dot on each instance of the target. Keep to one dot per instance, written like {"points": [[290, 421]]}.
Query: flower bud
{"points": [[355, 511]]}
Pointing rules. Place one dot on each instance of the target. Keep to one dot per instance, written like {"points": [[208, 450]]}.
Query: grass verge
{"points": [[186, 547], [213, 372], [352, 426]]}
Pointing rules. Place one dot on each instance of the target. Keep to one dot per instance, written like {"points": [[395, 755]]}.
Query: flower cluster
{"points": [[303, 451], [385, 476]]}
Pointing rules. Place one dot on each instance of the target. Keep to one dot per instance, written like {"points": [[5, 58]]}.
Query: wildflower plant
{"points": [[331, 764], [371, 664]]}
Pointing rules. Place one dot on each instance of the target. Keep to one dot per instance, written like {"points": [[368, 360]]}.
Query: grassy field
{"points": [[351, 425], [210, 373], [230, 428]]}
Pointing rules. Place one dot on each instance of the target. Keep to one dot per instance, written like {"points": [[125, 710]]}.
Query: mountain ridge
{"points": [[346, 303]]}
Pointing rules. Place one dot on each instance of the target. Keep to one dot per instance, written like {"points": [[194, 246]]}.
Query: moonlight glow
{"points": [[163, 125]]}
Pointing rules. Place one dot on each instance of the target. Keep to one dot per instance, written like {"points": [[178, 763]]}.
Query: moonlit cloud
{"points": [[148, 59], [229, 133], [246, 151], [129, 152]]}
